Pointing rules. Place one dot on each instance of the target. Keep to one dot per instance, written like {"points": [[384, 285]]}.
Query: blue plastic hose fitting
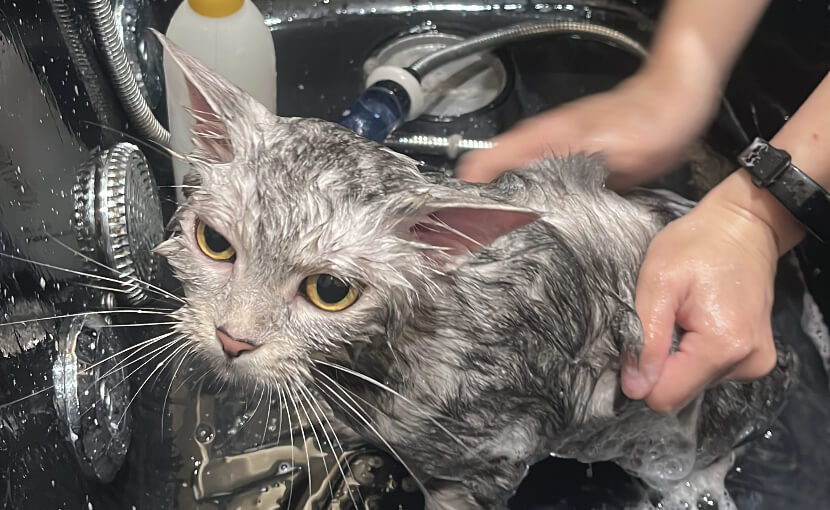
{"points": [[379, 110]]}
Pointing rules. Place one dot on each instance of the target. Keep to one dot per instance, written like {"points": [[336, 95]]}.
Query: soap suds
{"points": [[703, 489]]}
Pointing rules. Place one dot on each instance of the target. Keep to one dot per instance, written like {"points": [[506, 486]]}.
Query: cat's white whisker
{"points": [[143, 324], [258, 402], [147, 379], [366, 422], [137, 348], [172, 379], [397, 394], [21, 399], [291, 435], [152, 144], [128, 349], [63, 269], [268, 404], [395, 356], [302, 433], [178, 350], [333, 431], [247, 393], [80, 314], [279, 427], [151, 355], [101, 287], [200, 378], [297, 398], [109, 373], [312, 403], [222, 386], [248, 417], [90, 367], [120, 382], [189, 377], [129, 278]]}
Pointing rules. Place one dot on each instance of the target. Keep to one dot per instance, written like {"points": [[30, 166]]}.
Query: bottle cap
{"points": [[215, 8]]}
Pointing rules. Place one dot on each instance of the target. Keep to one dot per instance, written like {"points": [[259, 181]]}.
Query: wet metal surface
{"points": [[57, 112]]}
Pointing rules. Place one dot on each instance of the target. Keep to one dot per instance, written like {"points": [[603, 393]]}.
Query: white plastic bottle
{"points": [[231, 38]]}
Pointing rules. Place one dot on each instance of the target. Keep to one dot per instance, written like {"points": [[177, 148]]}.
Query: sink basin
{"points": [[198, 446], [540, 73]]}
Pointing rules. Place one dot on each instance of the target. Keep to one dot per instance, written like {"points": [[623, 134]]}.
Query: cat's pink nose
{"points": [[231, 346]]}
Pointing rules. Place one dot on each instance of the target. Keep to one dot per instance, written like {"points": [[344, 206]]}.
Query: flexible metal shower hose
{"points": [[146, 123], [490, 40], [121, 73]]}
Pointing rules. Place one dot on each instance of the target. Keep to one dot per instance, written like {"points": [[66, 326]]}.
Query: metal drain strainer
{"points": [[456, 88]]}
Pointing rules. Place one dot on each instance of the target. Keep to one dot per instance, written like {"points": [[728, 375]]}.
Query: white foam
{"points": [[702, 489]]}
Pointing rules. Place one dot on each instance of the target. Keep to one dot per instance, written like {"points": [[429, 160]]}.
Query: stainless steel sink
{"points": [[207, 447]]}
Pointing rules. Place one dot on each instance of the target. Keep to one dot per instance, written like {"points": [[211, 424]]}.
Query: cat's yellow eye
{"points": [[329, 293], [213, 244]]}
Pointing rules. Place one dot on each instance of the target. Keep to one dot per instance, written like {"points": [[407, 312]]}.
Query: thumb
{"points": [[656, 304]]}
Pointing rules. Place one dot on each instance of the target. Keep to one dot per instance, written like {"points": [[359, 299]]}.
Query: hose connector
{"points": [[408, 80], [393, 95]]}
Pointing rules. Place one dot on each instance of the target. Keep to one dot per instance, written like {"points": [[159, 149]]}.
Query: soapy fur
{"points": [[494, 316]]}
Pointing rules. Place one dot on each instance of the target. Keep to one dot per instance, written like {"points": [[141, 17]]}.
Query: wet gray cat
{"points": [[495, 315]]}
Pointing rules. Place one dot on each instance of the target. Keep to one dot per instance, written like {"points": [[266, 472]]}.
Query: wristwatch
{"points": [[772, 169]]}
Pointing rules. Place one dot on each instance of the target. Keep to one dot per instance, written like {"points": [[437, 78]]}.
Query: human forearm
{"points": [[698, 41], [806, 136]]}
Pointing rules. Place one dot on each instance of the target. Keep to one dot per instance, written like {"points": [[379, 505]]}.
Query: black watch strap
{"points": [[772, 169]]}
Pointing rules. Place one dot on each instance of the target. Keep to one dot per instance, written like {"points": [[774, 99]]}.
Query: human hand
{"points": [[643, 126], [710, 272]]}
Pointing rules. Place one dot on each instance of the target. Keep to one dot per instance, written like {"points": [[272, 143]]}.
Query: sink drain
{"points": [[454, 89]]}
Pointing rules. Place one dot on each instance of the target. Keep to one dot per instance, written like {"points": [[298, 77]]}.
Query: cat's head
{"points": [[299, 237]]}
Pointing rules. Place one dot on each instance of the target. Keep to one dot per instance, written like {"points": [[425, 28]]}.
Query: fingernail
{"points": [[633, 382], [649, 374], [634, 385]]}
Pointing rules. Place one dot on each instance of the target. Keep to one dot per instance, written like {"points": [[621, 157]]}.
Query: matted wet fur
{"points": [[491, 318]]}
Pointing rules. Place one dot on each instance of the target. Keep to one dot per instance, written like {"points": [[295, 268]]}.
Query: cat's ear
{"points": [[220, 110], [451, 231]]}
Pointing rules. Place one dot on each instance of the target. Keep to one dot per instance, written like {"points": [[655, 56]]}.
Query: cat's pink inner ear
{"points": [[457, 231], [210, 134]]}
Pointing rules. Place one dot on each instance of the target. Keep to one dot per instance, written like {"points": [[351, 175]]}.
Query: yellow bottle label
{"points": [[216, 8]]}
